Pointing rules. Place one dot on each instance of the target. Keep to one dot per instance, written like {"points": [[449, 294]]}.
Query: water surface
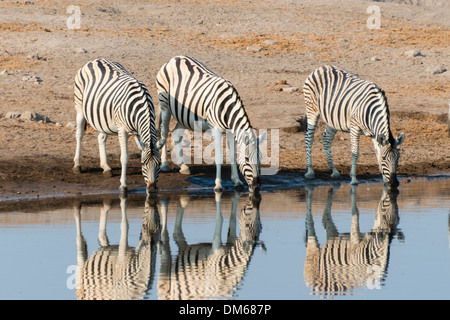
{"points": [[314, 242]]}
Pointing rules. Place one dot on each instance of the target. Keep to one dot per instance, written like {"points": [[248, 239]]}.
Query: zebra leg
{"points": [[312, 243], [123, 242], [312, 123], [82, 254], [354, 138], [81, 126], [102, 137], [123, 140], [327, 139], [234, 172], [327, 220], [355, 235], [102, 236], [177, 136], [217, 137], [217, 239], [164, 130]]}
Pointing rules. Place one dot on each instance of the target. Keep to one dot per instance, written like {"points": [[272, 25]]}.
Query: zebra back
{"points": [[111, 97], [195, 93], [344, 100]]}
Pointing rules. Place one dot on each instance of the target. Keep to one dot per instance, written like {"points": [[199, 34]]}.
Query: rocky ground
{"points": [[265, 48]]}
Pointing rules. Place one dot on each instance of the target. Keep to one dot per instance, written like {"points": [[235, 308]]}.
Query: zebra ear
{"points": [[400, 139], [262, 137], [382, 141]]}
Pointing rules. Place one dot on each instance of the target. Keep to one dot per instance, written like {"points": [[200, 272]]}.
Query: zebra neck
{"points": [[145, 126], [242, 131]]}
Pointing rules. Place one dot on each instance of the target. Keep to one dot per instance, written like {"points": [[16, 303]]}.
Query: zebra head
{"points": [[250, 158], [388, 155], [150, 160]]}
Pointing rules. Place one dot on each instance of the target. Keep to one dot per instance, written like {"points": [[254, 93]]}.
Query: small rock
{"points": [[374, 59], [412, 53], [254, 49], [34, 56], [34, 79], [436, 69], [58, 124], [270, 42], [34, 116], [5, 73], [71, 125], [13, 115], [291, 89]]}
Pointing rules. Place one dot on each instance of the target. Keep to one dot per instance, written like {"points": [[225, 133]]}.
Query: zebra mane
{"points": [[388, 115]]}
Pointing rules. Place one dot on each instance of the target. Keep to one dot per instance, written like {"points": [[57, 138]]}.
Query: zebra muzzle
{"points": [[152, 188]]}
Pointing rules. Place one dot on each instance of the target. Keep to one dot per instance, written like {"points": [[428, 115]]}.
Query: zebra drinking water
{"points": [[347, 103], [113, 101], [199, 99]]}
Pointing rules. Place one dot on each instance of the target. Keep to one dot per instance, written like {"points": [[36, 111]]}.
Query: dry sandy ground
{"points": [[295, 36]]}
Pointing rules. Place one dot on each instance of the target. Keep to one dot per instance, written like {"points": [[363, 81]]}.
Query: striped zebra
{"points": [[347, 103], [198, 99], [212, 270], [114, 102], [117, 272], [349, 260]]}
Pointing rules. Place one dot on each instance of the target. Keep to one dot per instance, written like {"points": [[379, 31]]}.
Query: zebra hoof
{"points": [[123, 191], [218, 189], [309, 175], [335, 175], [76, 169], [354, 182], [185, 169], [107, 174], [239, 186], [165, 167]]}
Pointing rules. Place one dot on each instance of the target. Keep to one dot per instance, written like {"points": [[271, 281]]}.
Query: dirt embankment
{"points": [[266, 49]]}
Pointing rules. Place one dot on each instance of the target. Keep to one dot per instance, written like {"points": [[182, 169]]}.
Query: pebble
{"points": [[375, 59], [291, 89], [412, 53], [270, 42], [254, 49], [34, 79], [13, 115], [34, 56], [71, 125], [28, 116], [436, 69], [5, 73], [80, 50]]}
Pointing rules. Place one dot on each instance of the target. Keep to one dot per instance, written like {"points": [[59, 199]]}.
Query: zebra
{"points": [[113, 101], [198, 99], [349, 104], [212, 270], [350, 260], [117, 271]]}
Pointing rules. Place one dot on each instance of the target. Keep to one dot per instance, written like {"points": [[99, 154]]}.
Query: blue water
{"points": [[282, 252]]}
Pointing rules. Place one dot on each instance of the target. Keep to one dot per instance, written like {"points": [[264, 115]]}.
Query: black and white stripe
{"points": [[114, 102], [347, 103], [349, 260], [198, 98], [212, 270]]}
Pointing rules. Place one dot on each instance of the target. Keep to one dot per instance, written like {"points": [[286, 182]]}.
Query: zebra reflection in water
{"points": [[209, 270], [348, 261], [117, 272]]}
